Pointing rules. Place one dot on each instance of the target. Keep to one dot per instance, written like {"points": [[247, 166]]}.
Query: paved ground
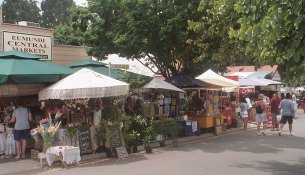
{"points": [[235, 153]]}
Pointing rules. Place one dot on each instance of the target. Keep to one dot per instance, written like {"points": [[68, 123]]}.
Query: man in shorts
{"points": [[274, 103], [287, 107]]}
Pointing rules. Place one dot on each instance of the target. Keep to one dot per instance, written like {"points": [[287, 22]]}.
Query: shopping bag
{"points": [[278, 119]]}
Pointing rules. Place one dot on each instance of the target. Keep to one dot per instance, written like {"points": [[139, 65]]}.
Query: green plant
{"points": [[174, 129], [131, 138], [71, 131], [109, 111], [149, 135], [186, 102], [101, 135]]}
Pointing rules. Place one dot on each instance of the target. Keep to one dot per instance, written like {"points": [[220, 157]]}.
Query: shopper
{"points": [[244, 111], [261, 109], [287, 107], [22, 117], [274, 103], [295, 105]]}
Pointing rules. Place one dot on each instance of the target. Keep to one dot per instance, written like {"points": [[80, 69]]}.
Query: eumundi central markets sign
{"points": [[34, 44]]}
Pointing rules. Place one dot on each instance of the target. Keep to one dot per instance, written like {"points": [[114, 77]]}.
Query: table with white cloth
{"points": [[66, 154], [2, 142]]}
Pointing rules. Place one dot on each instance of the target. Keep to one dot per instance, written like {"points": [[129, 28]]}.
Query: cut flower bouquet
{"points": [[45, 132]]}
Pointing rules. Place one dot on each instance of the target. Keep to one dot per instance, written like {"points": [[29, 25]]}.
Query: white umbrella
{"points": [[160, 84], [215, 79], [84, 83], [250, 81]]}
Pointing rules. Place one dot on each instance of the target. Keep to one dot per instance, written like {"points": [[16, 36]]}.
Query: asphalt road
{"points": [[240, 153]]}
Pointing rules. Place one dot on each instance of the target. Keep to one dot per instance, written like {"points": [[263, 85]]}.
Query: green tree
{"points": [[152, 29], [74, 32], [55, 12], [274, 34], [218, 49], [66, 35], [20, 10]]}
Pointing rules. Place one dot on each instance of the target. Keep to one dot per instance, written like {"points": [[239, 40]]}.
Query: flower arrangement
{"points": [[45, 132]]}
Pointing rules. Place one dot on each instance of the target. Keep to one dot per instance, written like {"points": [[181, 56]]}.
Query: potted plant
{"points": [[174, 130], [149, 135], [161, 132]]}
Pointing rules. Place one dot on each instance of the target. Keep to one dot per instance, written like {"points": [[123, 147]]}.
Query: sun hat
{"points": [[261, 97]]}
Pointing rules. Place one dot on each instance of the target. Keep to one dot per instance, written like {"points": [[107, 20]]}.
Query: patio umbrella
{"points": [[23, 68], [84, 83], [160, 84], [249, 81]]}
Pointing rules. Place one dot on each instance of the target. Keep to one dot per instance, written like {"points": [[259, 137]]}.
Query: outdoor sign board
{"points": [[122, 152], [246, 90], [84, 140], [30, 43]]}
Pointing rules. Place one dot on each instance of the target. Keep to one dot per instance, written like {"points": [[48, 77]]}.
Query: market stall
{"points": [[82, 93], [23, 75], [208, 112], [163, 100]]}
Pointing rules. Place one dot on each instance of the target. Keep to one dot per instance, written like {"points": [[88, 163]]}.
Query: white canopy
{"points": [[84, 83], [215, 79], [249, 81], [160, 84]]}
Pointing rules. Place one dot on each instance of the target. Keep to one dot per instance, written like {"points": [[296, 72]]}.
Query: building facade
{"points": [[29, 37]]}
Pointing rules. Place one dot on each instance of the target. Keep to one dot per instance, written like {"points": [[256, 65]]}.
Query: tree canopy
{"points": [[20, 10], [274, 33], [152, 29], [212, 31], [55, 12]]}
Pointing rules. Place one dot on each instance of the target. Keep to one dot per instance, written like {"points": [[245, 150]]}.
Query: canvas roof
{"points": [[215, 79], [160, 84], [84, 83]]}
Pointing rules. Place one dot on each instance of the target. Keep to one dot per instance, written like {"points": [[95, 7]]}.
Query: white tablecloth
{"points": [[2, 142], [70, 154]]}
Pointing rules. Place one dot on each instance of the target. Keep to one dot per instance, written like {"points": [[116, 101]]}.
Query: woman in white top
{"points": [[244, 111]]}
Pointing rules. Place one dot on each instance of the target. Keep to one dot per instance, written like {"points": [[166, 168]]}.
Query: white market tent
{"points": [[213, 78], [84, 83], [160, 84], [250, 81]]}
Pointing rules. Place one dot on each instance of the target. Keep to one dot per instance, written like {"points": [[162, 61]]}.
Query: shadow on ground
{"points": [[277, 168]]}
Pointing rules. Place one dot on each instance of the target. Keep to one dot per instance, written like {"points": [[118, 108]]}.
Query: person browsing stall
{"points": [[244, 111], [22, 117]]}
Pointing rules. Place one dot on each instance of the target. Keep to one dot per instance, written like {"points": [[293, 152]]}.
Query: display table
{"points": [[204, 121], [2, 142], [66, 154]]}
